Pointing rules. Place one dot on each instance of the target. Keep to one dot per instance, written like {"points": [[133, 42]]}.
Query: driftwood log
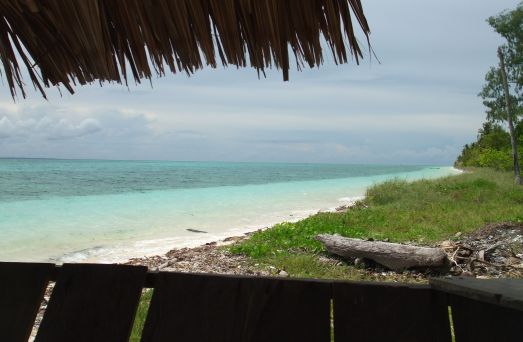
{"points": [[391, 255]]}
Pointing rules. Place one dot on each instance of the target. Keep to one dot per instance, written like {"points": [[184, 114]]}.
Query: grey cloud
{"points": [[40, 131], [186, 134], [65, 129], [47, 127], [280, 141], [6, 127]]}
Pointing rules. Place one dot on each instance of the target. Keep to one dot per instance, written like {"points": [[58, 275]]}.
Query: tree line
{"points": [[499, 140]]}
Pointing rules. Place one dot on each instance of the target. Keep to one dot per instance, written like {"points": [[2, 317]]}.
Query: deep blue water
{"points": [[23, 179]]}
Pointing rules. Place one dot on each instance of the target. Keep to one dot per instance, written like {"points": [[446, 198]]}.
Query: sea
{"points": [[110, 211]]}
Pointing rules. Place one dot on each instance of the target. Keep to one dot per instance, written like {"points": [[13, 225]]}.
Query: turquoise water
{"points": [[106, 211]]}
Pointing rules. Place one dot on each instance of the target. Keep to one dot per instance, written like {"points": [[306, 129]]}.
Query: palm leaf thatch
{"points": [[69, 42]]}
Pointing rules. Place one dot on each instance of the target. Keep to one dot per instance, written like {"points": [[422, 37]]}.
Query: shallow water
{"points": [[106, 211]]}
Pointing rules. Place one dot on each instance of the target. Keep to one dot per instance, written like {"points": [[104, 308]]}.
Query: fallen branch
{"points": [[391, 255]]}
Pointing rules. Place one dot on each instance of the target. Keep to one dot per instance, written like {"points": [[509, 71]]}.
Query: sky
{"points": [[417, 105]]}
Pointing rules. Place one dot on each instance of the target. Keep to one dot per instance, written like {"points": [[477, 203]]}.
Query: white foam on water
{"points": [[145, 248]]}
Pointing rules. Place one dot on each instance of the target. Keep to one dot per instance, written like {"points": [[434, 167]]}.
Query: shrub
{"points": [[497, 159]]}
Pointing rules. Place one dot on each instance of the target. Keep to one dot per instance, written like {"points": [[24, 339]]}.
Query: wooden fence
{"points": [[95, 302]]}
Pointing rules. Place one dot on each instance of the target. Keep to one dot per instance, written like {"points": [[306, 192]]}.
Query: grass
{"points": [[424, 211], [141, 315]]}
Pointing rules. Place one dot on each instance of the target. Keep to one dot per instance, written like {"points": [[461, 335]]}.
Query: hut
{"points": [[83, 41]]}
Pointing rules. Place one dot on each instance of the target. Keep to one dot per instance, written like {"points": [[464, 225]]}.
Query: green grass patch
{"points": [[308, 265], [141, 315], [423, 211]]}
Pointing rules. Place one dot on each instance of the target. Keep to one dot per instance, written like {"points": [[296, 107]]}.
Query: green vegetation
{"points": [[141, 315], [502, 96], [424, 211], [492, 148]]}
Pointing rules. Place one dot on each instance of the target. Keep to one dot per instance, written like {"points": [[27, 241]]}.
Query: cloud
{"points": [[41, 130], [419, 105], [46, 127], [65, 129], [6, 127]]}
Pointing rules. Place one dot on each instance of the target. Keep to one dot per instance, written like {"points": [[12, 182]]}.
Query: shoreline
{"points": [[212, 258], [153, 247], [155, 259], [163, 246]]}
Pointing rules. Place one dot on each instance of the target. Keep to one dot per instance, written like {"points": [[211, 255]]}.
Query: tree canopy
{"points": [[509, 24], [502, 96]]}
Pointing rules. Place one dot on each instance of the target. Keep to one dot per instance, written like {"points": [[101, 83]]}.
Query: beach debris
{"points": [[342, 209], [495, 250], [394, 256], [282, 273], [203, 259], [196, 231], [360, 262]]}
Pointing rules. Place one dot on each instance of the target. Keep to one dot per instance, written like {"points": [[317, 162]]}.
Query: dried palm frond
{"points": [[69, 42]]}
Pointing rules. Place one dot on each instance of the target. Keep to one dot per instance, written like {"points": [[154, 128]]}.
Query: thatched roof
{"points": [[69, 42]]}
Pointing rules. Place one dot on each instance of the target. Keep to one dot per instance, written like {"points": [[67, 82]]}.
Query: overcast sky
{"points": [[419, 106]]}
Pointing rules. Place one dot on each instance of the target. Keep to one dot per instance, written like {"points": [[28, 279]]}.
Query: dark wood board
{"points": [[190, 307], [504, 292], [93, 302], [477, 321], [383, 312], [22, 288]]}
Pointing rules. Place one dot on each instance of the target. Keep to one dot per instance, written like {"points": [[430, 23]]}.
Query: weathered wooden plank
{"points": [[477, 321], [192, 307], [392, 255], [504, 292], [93, 303], [22, 288], [384, 312]]}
